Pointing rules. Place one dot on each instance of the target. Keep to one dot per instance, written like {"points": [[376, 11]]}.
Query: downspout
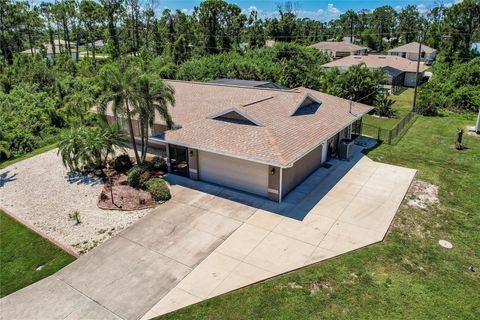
{"points": [[280, 188]]}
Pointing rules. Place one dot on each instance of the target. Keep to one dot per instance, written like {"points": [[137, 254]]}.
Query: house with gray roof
{"points": [[410, 52]]}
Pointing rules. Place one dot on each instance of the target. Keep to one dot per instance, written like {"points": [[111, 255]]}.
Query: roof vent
{"points": [[233, 115], [308, 105], [382, 57]]}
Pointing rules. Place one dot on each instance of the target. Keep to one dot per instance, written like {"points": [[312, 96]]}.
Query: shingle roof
{"points": [[280, 140], [248, 83], [412, 47], [337, 46], [377, 61]]}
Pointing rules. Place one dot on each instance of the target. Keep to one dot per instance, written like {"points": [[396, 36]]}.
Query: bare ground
{"points": [[41, 191], [422, 194]]}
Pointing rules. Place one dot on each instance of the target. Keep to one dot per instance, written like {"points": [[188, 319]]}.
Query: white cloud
{"points": [[331, 8], [252, 8], [187, 11], [398, 8], [422, 9]]}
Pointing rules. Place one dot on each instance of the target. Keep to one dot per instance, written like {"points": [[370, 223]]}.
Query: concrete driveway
{"points": [[209, 240]]}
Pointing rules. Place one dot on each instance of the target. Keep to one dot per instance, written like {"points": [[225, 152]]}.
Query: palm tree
{"points": [[76, 108], [156, 96], [120, 89], [383, 106], [86, 148]]}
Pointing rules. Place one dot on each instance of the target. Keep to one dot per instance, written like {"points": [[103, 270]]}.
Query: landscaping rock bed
{"points": [[41, 191]]}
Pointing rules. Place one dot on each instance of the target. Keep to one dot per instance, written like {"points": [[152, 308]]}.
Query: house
{"points": [[249, 83], [259, 140], [400, 71], [47, 49], [410, 51], [339, 49]]}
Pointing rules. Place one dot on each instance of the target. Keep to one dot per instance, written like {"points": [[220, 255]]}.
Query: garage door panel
{"points": [[235, 173]]}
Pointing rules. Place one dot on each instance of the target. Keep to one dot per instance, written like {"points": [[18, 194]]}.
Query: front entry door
{"points": [[179, 160]]}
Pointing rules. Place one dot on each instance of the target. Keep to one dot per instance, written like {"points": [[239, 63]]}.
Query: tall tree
{"points": [[156, 96], [121, 92], [409, 23]]}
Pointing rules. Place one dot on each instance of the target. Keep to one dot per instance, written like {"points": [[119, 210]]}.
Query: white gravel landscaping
{"points": [[41, 191]]}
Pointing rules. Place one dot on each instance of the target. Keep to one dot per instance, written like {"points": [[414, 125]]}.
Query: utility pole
{"points": [[414, 108]]}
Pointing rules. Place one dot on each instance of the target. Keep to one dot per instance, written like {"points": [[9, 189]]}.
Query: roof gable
{"points": [[307, 105], [234, 115]]}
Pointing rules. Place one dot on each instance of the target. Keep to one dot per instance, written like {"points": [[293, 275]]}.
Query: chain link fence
{"points": [[381, 134]]}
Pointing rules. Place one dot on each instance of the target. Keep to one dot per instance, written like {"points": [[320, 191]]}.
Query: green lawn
{"points": [[408, 276], [21, 252], [403, 105]]}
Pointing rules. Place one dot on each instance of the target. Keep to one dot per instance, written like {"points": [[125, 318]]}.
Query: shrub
{"points": [[144, 177], [134, 177], [122, 163], [158, 164], [159, 190]]}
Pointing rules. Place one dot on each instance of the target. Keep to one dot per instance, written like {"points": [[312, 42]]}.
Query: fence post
{"points": [[390, 137], [379, 134]]}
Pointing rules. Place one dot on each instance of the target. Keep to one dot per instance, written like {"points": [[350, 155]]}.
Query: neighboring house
{"points": [[249, 83], [259, 140], [339, 49], [410, 52], [47, 49], [400, 71]]}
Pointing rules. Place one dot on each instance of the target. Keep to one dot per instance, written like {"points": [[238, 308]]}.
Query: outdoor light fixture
{"points": [[272, 171], [191, 153]]}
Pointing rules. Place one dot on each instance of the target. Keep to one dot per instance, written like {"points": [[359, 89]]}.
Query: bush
{"points": [[122, 163], [158, 164], [159, 190], [134, 177], [144, 177]]}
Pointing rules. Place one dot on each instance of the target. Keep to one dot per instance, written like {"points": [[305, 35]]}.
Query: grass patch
{"points": [[21, 252], [27, 155], [408, 276], [403, 105]]}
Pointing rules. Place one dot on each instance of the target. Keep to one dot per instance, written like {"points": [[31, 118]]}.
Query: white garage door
{"points": [[234, 173]]}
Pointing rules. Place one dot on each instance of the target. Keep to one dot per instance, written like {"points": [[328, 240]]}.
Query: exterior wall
{"points": [[291, 177], [193, 163], [410, 78], [157, 129], [274, 183]]}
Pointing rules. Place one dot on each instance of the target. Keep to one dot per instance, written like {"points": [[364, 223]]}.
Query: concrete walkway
{"points": [[209, 240]]}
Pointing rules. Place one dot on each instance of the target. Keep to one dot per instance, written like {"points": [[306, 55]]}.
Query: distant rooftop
{"points": [[342, 46], [412, 47], [248, 83], [377, 61]]}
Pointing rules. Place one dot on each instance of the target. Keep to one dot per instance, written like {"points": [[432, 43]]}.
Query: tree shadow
{"points": [[79, 178], [5, 178]]}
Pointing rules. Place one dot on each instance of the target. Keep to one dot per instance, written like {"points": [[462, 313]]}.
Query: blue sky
{"points": [[314, 9]]}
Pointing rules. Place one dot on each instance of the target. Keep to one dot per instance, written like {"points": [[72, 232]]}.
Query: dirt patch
{"points": [[125, 198], [422, 194]]}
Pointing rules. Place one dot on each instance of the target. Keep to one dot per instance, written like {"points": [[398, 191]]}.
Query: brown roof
{"points": [[412, 47], [377, 61], [337, 46], [280, 138]]}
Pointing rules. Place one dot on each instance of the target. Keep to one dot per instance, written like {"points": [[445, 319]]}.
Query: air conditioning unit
{"points": [[345, 150]]}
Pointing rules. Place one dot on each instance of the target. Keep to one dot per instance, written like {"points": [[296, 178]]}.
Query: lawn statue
{"points": [[459, 144]]}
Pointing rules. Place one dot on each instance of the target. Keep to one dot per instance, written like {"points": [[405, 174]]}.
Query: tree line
{"points": [[216, 26]]}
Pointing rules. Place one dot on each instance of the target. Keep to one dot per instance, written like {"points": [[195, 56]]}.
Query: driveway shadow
{"points": [[5, 178], [78, 178], [298, 202]]}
